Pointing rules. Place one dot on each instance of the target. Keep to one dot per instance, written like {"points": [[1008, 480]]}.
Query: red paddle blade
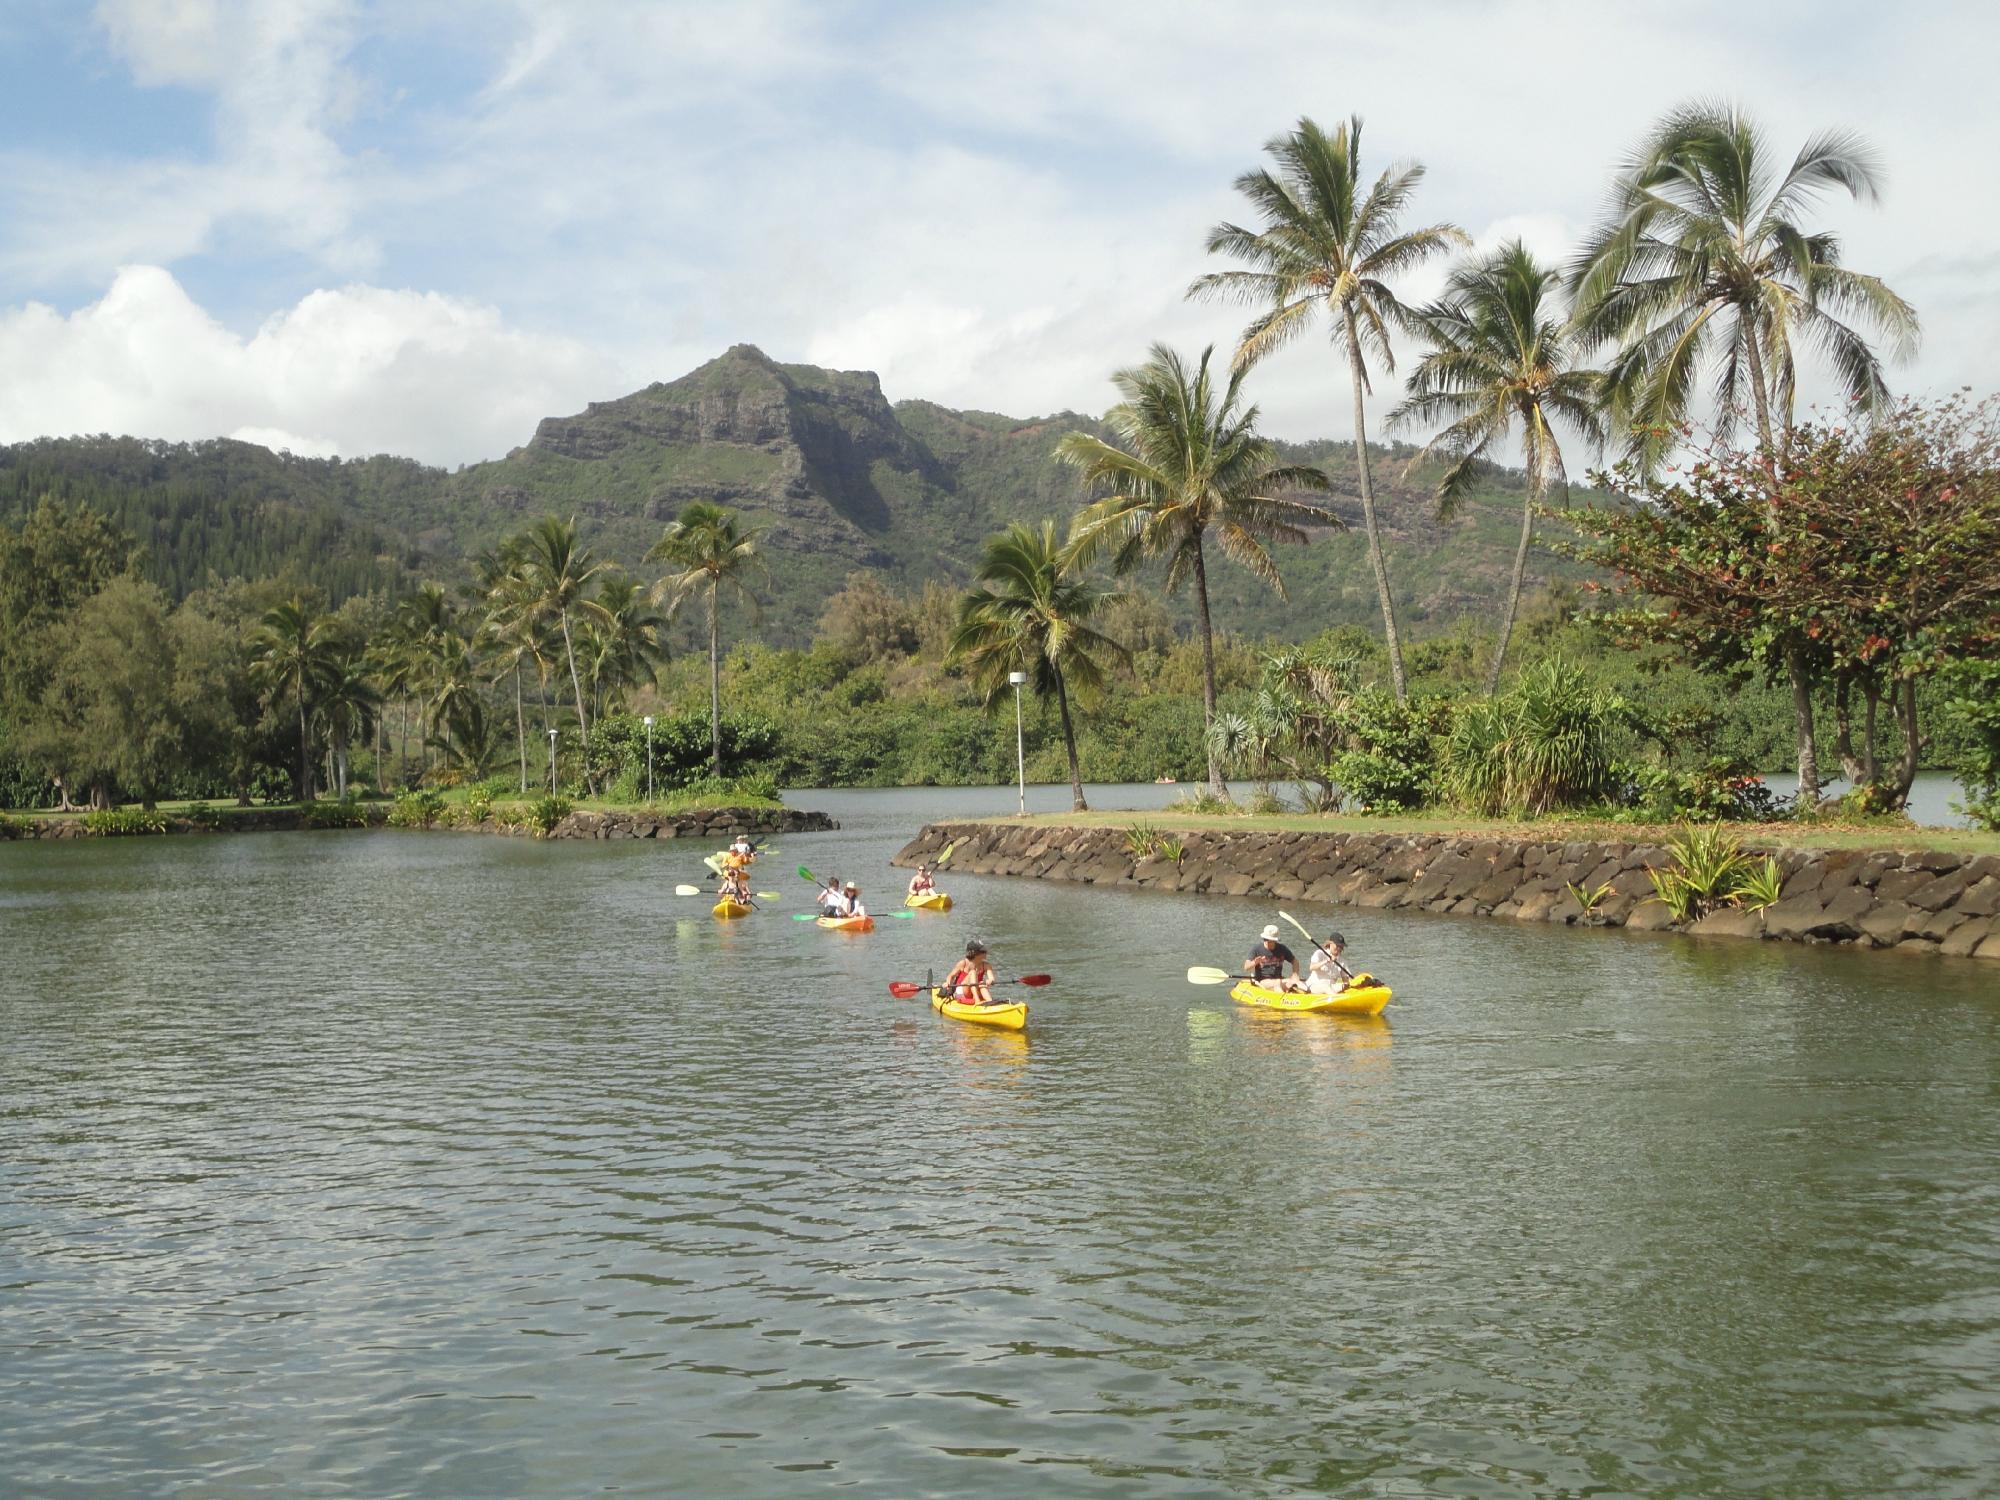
{"points": [[1036, 979], [902, 989]]}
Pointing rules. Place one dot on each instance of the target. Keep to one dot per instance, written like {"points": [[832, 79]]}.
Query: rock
{"points": [[1942, 891], [1982, 900], [1730, 921], [1382, 897], [1966, 937], [1937, 861], [1897, 884], [1988, 949], [1650, 916], [1843, 914], [1936, 926], [1883, 923], [1794, 917]]}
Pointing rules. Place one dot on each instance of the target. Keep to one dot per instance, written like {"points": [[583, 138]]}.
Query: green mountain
{"points": [[842, 479]]}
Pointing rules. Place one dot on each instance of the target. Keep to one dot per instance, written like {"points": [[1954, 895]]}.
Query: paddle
{"points": [[909, 989], [695, 890], [1201, 974], [1316, 944], [813, 916]]}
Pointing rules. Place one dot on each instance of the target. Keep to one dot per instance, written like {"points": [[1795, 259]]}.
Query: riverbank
{"points": [[589, 821], [1924, 900]]}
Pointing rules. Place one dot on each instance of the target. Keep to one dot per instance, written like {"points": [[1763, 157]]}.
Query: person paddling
{"points": [[970, 983], [735, 887], [850, 901], [1269, 961], [831, 902], [921, 883], [1329, 976], [743, 852]]}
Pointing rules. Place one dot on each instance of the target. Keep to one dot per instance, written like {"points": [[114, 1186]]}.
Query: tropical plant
{"points": [[1191, 464], [709, 552], [334, 815], [297, 655], [472, 744], [1703, 258], [1325, 247], [347, 708], [622, 649], [1759, 886], [544, 813], [1589, 897], [123, 822], [556, 577], [1708, 869], [1032, 612], [1501, 357], [419, 808]]}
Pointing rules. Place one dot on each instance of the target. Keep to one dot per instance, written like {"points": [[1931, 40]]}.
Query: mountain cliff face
{"points": [[841, 479]]}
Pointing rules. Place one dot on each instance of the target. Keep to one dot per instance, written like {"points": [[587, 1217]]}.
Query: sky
{"points": [[417, 227]]}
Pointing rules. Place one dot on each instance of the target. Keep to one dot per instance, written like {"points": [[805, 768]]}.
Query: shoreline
{"points": [[579, 823], [1922, 902]]}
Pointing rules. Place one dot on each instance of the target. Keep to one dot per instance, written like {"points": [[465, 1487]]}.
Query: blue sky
{"points": [[416, 227]]}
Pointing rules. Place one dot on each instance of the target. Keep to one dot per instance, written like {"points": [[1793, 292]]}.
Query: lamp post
{"points": [[649, 757], [552, 762], [1020, 747]]}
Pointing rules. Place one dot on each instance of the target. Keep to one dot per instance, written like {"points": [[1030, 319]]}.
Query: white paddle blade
{"points": [[688, 890], [1203, 975]]}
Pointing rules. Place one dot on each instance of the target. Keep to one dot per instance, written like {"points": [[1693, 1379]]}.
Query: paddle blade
{"points": [[1037, 980], [906, 915], [712, 862], [767, 895], [902, 989], [805, 874], [943, 858], [689, 890], [1203, 975], [805, 916]]}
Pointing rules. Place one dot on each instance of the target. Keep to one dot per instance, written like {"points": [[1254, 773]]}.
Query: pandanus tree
{"points": [[1501, 359], [1189, 466], [557, 574], [1031, 612], [1704, 262], [296, 656], [1326, 249], [709, 554]]}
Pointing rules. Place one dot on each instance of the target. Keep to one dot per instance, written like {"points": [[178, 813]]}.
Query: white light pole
{"points": [[552, 762], [1020, 750], [649, 757]]}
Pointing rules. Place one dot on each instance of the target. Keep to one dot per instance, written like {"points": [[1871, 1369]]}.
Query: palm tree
{"points": [[296, 655], [1192, 463], [1704, 233], [1701, 233], [1032, 614], [710, 552], [508, 631], [470, 745], [1501, 353], [1325, 248], [347, 707], [557, 575], [622, 651]]}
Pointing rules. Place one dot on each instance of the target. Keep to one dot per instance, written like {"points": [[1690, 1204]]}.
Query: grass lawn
{"points": [[1760, 835]]}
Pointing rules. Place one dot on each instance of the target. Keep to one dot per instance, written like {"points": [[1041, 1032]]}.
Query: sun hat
{"points": [[1271, 933], [851, 886]]}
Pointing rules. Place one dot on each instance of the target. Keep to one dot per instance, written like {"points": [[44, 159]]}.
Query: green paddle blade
{"points": [[805, 916], [944, 858], [805, 874]]}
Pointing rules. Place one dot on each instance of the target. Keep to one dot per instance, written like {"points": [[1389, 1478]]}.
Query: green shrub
{"points": [[1202, 800], [1760, 886], [13, 828], [1266, 803], [201, 815], [479, 803], [1709, 870], [333, 815], [417, 809], [545, 812], [1722, 789], [1390, 764], [123, 822]]}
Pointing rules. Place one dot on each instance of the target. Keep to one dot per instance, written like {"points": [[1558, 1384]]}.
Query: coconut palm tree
{"points": [[709, 552], [1703, 260], [1501, 355], [1327, 249], [347, 707], [624, 650], [509, 634], [1031, 613], [296, 655], [557, 575], [1191, 464]]}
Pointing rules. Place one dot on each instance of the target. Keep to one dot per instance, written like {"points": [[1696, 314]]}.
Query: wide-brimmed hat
{"points": [[851, 886], [1271, 933]]}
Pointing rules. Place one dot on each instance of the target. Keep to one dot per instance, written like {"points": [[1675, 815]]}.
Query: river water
{"points": [[376, 1164]]}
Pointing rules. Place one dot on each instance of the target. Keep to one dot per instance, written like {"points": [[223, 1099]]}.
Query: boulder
{"points": [[1883, 923], [1982, 900], [1650, 916], [1965, 938], [1937, 861], [1730, 921]]}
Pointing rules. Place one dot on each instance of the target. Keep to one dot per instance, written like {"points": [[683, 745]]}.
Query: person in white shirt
{"points": [[1327, 974]]}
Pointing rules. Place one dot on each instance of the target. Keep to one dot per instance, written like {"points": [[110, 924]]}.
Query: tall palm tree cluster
{"points": [[1703, 269], [565, 635]]}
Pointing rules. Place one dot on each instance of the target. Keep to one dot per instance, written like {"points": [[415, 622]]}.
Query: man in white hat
{"points": [[1270, 960]]}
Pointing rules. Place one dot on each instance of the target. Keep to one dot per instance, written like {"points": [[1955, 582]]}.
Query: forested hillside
{"points": [[843, 480]]}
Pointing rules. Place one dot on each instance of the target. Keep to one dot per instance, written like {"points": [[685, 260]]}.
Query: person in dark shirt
{"points": [[1270, 960]]}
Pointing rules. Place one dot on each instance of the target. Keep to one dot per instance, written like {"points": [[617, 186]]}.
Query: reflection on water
{"points": [[369, 1164]]}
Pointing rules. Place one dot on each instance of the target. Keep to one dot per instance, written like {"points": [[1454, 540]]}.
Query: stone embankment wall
{"points": [[1924, 902], [720, 824]]}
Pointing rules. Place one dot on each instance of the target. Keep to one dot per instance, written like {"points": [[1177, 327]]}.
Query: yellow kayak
{"points": [[1011, 1014], [848, 924], [725, 909], [1356, 1000], [935, 901]]}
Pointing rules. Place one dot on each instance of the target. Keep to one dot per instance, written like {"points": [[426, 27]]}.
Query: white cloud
{"points": [[355, 370]]}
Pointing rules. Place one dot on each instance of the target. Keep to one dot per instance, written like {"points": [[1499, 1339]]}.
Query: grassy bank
{"points": [[1905, 837]]}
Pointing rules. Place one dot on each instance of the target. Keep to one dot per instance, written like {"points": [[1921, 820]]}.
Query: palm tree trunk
{"points": [[1216, 787], [305, 756], [1076, 802], [582, 723], [1375, 561], [1513, 589], [521, 727], [714, 684], [1759, 397], [1797, 671]]}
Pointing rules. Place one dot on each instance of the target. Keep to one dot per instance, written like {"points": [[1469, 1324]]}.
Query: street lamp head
{"points": [[649, 721], [1017, 678]]}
